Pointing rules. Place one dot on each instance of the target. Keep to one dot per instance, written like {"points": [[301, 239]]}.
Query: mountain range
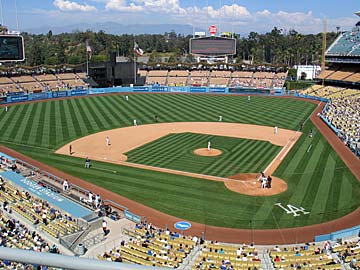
{"points": [[117, 28]]}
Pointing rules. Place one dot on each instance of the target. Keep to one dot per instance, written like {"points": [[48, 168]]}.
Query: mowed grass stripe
{"points": [[68, 130], [57, 118], [116, 116], [11, 125], [120, 111], [301, 187], [93, 114], [74, 115], [7, 117], [241, 150], [101, 121], [27, 127], [172, 150], [87, 118], [18, 125], [34, 126], [45, 141], [109, 119], [40, 125], [148, 149], [22, 129], [323, 189]]}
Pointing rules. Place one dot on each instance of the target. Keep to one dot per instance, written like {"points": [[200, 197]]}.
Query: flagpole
{"points": [[134, 65], [87, 58], [87, 63]]}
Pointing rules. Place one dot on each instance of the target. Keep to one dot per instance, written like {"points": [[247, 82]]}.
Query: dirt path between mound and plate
{"points": [[231, 235], [126, 139]]}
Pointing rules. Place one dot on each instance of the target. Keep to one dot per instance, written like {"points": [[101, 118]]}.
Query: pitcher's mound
{"points": [[248, 183], [205, 152]]}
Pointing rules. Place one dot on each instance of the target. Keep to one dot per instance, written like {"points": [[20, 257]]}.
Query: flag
{"points": [[137, 50], [88, 50]]}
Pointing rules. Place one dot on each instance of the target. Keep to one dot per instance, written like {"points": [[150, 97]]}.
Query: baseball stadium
{"points": [[201, 165]]}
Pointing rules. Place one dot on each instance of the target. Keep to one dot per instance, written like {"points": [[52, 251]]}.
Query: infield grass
{"points": [[317, 179], [175, 151]]}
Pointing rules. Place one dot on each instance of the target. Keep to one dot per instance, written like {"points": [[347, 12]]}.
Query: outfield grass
{"points": [[175, 151], [318, 180]]}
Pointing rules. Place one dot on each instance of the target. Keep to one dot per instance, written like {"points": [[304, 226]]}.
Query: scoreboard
{"points": [[213, 46], [11, 48]]}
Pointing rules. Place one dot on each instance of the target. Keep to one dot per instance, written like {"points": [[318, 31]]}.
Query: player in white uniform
{"points": [[127, 98], [220, 118], [209, 146], [276, 130], [135, 122]]}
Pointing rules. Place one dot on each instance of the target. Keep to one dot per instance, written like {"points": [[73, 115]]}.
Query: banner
{"points": [[37, 96], [217, 89], [18, 98], [79, 92], [178, 89], [198, 89], [59, 94], [95, 91], [159, 89], [141, 89]]}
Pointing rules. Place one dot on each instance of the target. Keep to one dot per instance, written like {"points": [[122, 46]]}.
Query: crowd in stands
{"points": [[36, 211], [214, 78], [34, 83], [152, 246], [342, 112], [347, 44], [344, 115], [14, 234]]}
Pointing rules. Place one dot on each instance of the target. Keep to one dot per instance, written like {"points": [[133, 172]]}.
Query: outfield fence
{"points": [[23, 97]]}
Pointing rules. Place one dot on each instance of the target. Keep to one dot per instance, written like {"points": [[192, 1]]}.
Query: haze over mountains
{"points": [[117, 28]]}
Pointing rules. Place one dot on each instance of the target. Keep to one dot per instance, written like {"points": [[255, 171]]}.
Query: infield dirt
{"points": [[126, 139]]}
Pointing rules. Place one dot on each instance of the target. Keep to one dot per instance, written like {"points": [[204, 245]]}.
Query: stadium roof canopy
{"points": [[357, 13]]}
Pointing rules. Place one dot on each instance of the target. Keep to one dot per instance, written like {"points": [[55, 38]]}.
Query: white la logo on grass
{"points": [[293, 209]]}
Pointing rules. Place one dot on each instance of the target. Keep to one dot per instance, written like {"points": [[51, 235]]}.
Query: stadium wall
{"points": [[22, 96]]}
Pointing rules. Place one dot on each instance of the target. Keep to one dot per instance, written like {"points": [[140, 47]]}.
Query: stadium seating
{"points": [[156, 77], [35, 211], [343, 112], [198, 78], [177, 77], [347, 44], [151, 247]]}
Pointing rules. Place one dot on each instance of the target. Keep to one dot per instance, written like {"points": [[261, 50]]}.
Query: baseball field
{"points": [[320, 185]]}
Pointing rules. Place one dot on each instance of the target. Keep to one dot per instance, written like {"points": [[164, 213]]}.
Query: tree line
{"points": [[277, 47]]}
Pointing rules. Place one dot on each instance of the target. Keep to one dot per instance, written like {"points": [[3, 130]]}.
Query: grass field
{"points": [[318, 180], [175, 151]]}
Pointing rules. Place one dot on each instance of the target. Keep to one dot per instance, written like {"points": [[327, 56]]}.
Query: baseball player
{"points": [[127, 98], [6, 108], [276, 130], [248, 98], [70, 149], [107, 141], [135, 122], [220, 118], [209, 146]]}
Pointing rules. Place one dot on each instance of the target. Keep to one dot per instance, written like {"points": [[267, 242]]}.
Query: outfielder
{"points": [[209, 146], [220, 118], [135, 122], [127, 98]]}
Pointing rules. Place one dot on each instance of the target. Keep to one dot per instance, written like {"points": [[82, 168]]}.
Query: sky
{"points": [[240, 16]]}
